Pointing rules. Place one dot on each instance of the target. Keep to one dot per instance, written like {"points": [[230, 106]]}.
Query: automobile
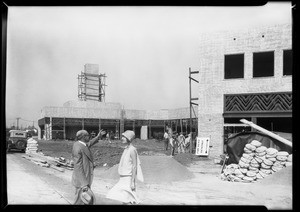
{"points": [[17, 140]]}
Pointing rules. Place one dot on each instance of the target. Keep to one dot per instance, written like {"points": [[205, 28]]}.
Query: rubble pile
{"points": [[257, 162], [32, 146]]}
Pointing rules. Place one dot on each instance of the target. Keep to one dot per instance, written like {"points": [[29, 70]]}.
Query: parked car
{"points": [[17, 140]]}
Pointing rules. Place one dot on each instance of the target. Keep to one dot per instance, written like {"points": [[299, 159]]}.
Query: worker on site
{"points": [[181, 144], [187, 141], [166, 140]]}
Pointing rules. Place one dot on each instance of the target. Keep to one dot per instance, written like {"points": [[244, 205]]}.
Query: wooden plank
{"points": [[57, 168]]}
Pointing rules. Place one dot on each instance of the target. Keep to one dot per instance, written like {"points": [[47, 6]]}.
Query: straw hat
{"points": [[87, 197]]}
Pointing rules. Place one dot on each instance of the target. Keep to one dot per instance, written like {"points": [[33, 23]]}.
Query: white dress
{"points": [[122, 190]]}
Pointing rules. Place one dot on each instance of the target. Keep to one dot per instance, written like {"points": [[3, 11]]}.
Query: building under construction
{"points": [[91, 112], [245, 74]]}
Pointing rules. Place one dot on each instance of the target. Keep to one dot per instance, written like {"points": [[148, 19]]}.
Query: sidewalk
{"points": [[25, 187]]}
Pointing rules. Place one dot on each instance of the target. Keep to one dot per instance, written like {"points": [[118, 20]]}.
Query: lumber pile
{"points": [[32, 146], [257, 162], [59, 164]]}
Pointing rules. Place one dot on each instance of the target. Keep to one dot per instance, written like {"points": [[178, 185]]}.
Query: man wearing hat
{"points": [[83, 167]]}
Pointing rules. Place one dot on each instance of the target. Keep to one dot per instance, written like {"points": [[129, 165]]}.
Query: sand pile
{"points": [[282, 177], [156, 169]]}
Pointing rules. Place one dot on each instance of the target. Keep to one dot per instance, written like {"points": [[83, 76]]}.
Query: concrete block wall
{"points": [[135, 114], [213, 86], [92, 104], [94, 109], [78, 112], [157, 114], [181, 113]]}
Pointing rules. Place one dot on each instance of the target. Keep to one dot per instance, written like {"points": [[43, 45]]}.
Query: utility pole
{"points": [[18, 122], [191, 106]]}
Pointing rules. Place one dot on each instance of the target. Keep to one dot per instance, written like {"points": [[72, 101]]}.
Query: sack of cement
{"points": [[256, 143], [31, 141]]}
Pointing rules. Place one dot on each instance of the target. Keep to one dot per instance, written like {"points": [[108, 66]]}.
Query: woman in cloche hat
{"points": [[129, 170]]}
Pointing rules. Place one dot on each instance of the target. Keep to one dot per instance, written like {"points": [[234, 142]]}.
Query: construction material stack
{"points": [[32, 146], [257, 162], [57, 163]]}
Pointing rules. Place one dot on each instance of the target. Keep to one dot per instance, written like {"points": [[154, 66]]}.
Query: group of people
{"points": [[176, 141], [129, 170]]}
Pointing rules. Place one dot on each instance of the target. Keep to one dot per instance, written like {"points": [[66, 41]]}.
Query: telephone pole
{"points": [[191, 105], [18, 122]]}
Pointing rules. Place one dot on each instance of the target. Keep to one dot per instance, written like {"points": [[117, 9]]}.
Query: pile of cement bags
{"points": [[257, 162], [32, 146]]}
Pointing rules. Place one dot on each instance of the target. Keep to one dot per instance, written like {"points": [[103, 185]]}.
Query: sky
{"points": [[145, 52]]}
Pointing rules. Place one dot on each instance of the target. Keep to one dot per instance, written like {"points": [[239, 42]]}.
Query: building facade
{"points": [[245, 74]]}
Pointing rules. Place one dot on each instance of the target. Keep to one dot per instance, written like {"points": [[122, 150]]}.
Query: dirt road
{"points": [[41, 185]]}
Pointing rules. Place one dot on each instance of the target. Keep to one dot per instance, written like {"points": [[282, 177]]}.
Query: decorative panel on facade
{"points": [[265, 102]]}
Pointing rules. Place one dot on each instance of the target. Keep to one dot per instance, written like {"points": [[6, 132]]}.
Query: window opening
{"points": [[263, 64], [234, 66], [287, 62]]}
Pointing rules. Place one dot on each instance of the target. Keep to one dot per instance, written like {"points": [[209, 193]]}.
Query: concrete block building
{"points": [[245, 74], [63, 122]]}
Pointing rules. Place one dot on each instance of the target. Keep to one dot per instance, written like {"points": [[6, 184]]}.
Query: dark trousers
{"points": [[166, 143]]}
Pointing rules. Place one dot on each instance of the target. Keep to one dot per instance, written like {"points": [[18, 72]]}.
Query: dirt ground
{"points": [[193, 181], [110, 153]]}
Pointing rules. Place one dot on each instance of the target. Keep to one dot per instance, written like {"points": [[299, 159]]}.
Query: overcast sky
{"points": [[145, 52]]}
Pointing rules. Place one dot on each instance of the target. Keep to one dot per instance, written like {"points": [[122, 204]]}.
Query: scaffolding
{"points": [[91, 87]]}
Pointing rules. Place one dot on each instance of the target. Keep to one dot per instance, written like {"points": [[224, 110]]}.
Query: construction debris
{"points": [[257, 162], [59, 164]]}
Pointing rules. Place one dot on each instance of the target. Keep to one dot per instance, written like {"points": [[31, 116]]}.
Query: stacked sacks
{"points": [[32, 146], [257, 162]]}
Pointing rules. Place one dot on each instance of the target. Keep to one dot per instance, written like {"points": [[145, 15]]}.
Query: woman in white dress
{"points": [[129, 170]]}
